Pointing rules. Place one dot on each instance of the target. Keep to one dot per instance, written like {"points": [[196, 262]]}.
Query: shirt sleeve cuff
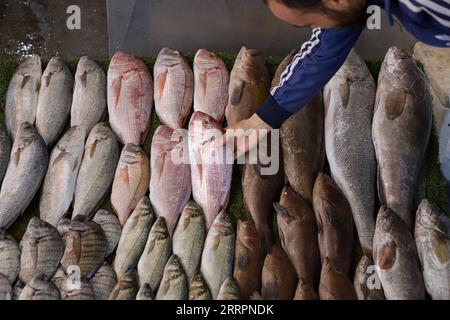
{"points": [[272, 113]]}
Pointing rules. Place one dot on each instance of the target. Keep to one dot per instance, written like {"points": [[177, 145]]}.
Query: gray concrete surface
{"points": [[145, 26]]}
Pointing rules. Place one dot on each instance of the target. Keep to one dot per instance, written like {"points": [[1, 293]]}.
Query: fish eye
{"points": [[205, 123]]}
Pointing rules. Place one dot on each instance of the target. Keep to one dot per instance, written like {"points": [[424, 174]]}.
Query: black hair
{"points": [[301, 4]]}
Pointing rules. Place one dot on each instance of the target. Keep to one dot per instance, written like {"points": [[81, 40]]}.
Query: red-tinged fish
{"points": [[334, 284], [130, 98]]}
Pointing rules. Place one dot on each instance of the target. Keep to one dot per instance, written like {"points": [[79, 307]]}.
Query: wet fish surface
{"points": [[401, 130], [130, 98], [305, 291], [174, 284], [6, 291], [97, 170], [229, 290], [334, 284], [22, 95], [59, 182], [174, 88], [25, 173], [104, 282], [366, 282], [198, 289], [126, 288], [211, 84], [145, 293], [131, 181], [55, 100], [110, 225], [5, 150], [349, 100], [89, 95], [9, 257], [40, 288]]}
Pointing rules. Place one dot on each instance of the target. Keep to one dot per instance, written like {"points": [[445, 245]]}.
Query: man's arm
{"points": [[314, 65]]}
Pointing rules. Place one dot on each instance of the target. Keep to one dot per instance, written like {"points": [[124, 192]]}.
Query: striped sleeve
{"points": [[314, 65]]}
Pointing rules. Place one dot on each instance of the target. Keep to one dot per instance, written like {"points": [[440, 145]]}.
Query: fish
{"points": [[189, 238], [156, 254], [86, 247], [198, 289], [367, 284], [283, 66], [40, 288], [396, 259], [22, 95], [41, 250], [401, 131], [131, 181], [77, 287], [248, 259], [174, 284], [174, 88], [55, 100], [9, 256], [110, 225], [211, 84], [97, 170], [89, 95], [104, 282], [298, 233], [59, 182], [249, 85], [126, 288], [432, 235], [302, 139], [349, 99], [25, 173], [145, 293], [305, 291], [170, 182], [218, 253], [6, 291], [334, 223], [59, 278], [211, 173], [17, 290], [63, 229], [5, 150], [278, 276], [134, 237], [130, 98], [229, 290], [334, 284]]}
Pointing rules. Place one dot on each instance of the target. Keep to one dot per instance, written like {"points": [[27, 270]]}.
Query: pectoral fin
{"points": [[236, 92], [395, 101], [25, 79], [83, 79], [116, 89], [387, 255]]}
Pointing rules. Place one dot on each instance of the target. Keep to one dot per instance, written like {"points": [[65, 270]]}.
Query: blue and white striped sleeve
{"points": [[311, 69]]}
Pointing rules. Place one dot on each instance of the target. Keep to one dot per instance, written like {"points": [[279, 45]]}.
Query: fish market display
{"points": [[145, 293], [401, 130], [305, 291], [218, 254], [198, 289], [9, 257], [5, 150], [170, 183], [174, 284], [174, 88], [59, 183], [210, 173], [334, 221], [432, 234], [395, 256], [334, 284], [126, 288], [96, 174], [229, 290], [89, 95], [189, 238], [41, 250], [156, 253], [82, 291], [22, 95], [40, 288], [131, 181], [86, 247], [249, 85], [55, 100], [111, 227], [349, 100], [134, 237], [6, 292], [366, 283], [211, 84], [130, 98], [103, 282], [26, 170]]}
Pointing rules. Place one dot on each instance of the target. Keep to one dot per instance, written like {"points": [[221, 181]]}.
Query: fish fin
{"points": [[186, 223], [59, 157], [387, 255], [395, 101], [75, 165], [332, 217], [280, 209], [236, 92], [216, 242], [151, 245], [380, 187], [125, 176], [441, 250], [16, 157], [203, 82], [164, 288], [25, 79], [161, 83], [83, 79], [92, 149], [116, 89], [48, 78], [38, 85], [319, 223], [34, 254], [346, 96], [243, 260], [159, 165]]}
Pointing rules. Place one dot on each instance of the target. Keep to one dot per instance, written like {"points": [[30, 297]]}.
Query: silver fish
{"points": [[89, 95], [134, 237], [367, 284], [59, 183], [5, 151], [198, 289], [229, 290], [432, 234], [6, 291], [174, 284], [189, 238], [63, 229], [96, 174], [26, 170], [145, 293], [40, 288], [22, 95], [9, 257], [42, 249], [218, 254], [103, 282], [111, 227], [55, 100], [126, 288]]}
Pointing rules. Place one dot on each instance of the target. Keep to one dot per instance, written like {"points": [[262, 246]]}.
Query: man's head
{"points": [[319, 13]]}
